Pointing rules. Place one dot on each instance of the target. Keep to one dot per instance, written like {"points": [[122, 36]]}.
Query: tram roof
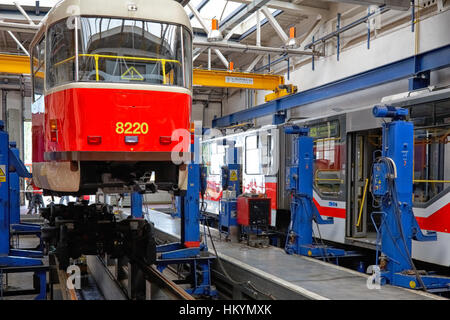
{"points": [[165, 11]]}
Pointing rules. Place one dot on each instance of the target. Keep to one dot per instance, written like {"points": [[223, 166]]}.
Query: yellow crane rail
{"points": [[16, 64]]}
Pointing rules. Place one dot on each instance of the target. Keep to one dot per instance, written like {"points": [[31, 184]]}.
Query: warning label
{"points": [[239, 80], [233, 176], [132, 74], [2, 173]]}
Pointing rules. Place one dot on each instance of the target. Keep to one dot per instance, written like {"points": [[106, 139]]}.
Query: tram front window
{"points": [[119, 50]]}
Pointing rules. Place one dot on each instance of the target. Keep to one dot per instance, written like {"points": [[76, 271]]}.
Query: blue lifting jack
{"points": [[303, 211], [191, 249], [231, 187], [18, 227], [15, 260], [392, 187]]}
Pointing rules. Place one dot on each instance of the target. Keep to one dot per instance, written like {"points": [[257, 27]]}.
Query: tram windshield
{"points": [[119, 50]]}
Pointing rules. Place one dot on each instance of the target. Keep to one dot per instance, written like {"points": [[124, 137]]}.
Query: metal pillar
{"points": [[136, 204], [303, 211], [392, 186]]}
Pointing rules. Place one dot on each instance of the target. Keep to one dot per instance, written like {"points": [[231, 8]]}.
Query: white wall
{"points": [[393, 46]]}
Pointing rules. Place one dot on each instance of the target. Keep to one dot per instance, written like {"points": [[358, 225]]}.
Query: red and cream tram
{"points": [[112, 80]]}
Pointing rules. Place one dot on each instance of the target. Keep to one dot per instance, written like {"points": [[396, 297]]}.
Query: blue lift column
{"points": [[191, 250], [12, 260], [136, 205], [303, 211], [392, 186]]}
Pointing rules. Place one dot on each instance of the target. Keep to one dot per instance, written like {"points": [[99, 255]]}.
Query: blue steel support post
{"points": [[14, 191], [4, 192], [303, 211], [7, 259], [136, 205], [392, 185]]}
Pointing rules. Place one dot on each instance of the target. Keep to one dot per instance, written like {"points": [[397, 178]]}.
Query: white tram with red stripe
{"points": [[344, 144]]}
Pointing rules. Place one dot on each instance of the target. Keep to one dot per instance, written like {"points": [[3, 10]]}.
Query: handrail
{"points": [[431, 181], [98, 56], [362, 203]]}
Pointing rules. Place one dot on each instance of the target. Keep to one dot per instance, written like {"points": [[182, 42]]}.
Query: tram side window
{"points": [[252, 159], [431, 151], [38, 58], [60, 55], [258, 154], [217, 158], [328, 165]]}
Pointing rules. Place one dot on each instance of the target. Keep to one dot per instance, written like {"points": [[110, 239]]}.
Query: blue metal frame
{"points": [[392, 185], [188, 250], [13, 257], [428, 61], [136, 205]]}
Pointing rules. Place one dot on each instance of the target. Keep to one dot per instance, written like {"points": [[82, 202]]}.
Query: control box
{"points": [[253, 211], [379, 180]]}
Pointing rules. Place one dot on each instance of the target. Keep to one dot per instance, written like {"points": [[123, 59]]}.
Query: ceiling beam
{"points": [[290, 7], [252, 7]]}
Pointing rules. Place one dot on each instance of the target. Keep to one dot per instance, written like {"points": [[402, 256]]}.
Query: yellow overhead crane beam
{"points": [[17, 64], [244, 80], [231, 79]]}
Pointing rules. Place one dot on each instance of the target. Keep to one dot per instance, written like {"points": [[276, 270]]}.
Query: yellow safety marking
{"points": [[309, 253], [132, 74], [412, 284], [233, 176], [362, 204], [2, 174], [432, 181]]}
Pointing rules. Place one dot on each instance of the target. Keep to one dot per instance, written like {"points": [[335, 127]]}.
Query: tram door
{"points": [[362, 146]]}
